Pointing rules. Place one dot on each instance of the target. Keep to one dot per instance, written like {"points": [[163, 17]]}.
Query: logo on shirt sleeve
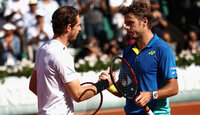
{"points": [[173, 70]]}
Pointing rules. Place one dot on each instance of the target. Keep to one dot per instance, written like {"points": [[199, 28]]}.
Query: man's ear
{"points": [[145, 22], [68, 28]]}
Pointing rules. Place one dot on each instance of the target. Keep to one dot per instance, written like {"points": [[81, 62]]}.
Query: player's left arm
{"points": [[33, 82], [167, 66], [170, 89]]}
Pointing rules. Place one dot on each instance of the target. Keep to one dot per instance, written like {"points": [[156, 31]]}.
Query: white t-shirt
{"points": [[54, 66]]}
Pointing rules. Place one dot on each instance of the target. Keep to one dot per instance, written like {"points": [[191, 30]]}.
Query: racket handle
{"points": [[148, 110]]}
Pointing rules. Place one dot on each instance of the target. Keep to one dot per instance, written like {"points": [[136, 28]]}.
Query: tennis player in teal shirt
{"points": [[152, 60]]}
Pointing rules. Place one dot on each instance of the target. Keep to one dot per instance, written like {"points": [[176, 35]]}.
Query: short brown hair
{"points": [[138, 9], [62, 17]]}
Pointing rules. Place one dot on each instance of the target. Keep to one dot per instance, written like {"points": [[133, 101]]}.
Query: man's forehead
{"points": [[129, 17], [78, 18]]}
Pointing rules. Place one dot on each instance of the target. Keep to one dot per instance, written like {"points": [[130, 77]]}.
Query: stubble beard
{"points": [[73, 37], [134, 36]]}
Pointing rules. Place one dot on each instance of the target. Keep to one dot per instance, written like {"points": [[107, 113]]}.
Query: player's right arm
{"points": [[79, 93]]}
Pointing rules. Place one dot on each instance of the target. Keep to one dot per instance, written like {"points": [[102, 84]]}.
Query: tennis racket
{"points": [[126, 83], [90, 106]]}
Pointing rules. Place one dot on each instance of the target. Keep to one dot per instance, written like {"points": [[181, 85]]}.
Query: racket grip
{"points": [[148, 110]]}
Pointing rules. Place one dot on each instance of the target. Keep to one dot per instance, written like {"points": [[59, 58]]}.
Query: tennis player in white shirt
{"points": [[54, 79]]}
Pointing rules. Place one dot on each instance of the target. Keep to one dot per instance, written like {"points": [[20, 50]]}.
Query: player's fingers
{"points": [[142, 99], [102, 77], [138, 98], [106, 74], [139, 101], [108, 70], [138, 104], [143, 102]]}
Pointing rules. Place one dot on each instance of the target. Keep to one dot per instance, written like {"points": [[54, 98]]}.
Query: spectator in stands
{"points": [[14, 11], [117, 18], [110, 48], [49, 6], [194, 43], [90, 49], [113, 49], [0, 6], [73, 3], [2, 22], [159, 22], [105, 47], [38, 33], [166, 36], [29, 18], [93, 17], [9, 46], [182, 44]]}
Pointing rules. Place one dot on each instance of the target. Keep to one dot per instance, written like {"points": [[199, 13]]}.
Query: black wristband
{"points": [[101, 85]]}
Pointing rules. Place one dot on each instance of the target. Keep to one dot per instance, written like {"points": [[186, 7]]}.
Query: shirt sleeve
{"points": [[65, 68], [167, 63]]}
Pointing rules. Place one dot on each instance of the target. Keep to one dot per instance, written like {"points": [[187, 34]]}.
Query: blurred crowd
{"points": [[26, 24]]}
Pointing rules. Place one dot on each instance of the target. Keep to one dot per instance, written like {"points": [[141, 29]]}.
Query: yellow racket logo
{"points": [[152, 52]]}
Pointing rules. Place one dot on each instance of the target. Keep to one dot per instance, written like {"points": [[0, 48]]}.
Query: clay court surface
{"points": [[181, 108]]}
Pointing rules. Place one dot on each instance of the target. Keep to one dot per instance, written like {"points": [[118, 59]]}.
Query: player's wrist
{"points": [[101, 85], [154, 95]]}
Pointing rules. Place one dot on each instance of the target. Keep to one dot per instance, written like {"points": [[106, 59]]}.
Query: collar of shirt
{"points": [[150, 44], [58, 42]]}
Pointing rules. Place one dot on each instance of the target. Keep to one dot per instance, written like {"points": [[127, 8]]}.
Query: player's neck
{"points": [[144, 41], [62, 38]]}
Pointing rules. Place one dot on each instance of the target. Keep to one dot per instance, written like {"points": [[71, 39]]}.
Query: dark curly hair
{"points": [[62, 17], [140, 10]]}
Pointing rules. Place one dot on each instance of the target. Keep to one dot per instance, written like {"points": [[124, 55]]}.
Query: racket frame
{"points": [[101, 97], [146, 108], [132, 72]]}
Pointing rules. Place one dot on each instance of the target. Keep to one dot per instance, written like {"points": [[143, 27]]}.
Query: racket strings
{"points": [[126, 82], [89, 106]]}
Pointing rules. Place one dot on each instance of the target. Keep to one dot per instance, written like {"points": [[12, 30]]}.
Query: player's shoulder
{"points": [[161, 44], [52, 46], [163, 48]]}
